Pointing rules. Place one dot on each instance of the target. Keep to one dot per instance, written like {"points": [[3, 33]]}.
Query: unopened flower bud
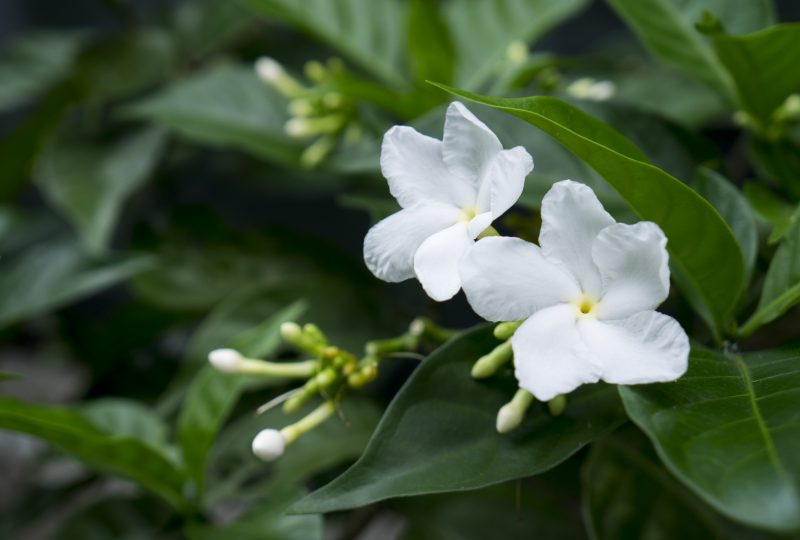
{"points": [[269, 444], [505, 330], [510, 415], [315, 71], [557, 405], [291, 332], [517, 52], [273, 74], [225, 360], [301, 107], [487, 365], [332, 100]]}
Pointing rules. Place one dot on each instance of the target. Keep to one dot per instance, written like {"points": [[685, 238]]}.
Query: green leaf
{"points": [[369, 32], [728, 429], [628, 494], [90, 184], [770, 208], [32, 64], [666, 28], [701, 244], [762, 67], [430, 48], [442, 423], [125, 418], [121, 455], [483, 30], [223, 106], [781, 285], [53, 274], [733, 208], [212, 395]]}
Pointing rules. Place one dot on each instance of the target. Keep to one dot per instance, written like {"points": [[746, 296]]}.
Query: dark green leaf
{"points": [[115, 454], [430, 48], [212, 394], [733, 208], [782, 283], [369, 32], [224, 106], [446, 416], [118, 518], [90, 184], [53, 274], [728, 429], [762, 66], [666, 28], [483, 30], [628, 494], [771, 209], [701, 244]]}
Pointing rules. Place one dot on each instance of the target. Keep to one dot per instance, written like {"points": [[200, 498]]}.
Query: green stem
{"points": [[300, 370], [307, 423]]}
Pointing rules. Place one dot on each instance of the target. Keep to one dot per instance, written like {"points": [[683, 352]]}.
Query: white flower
{"points": [[588, 294], [450, 191]]}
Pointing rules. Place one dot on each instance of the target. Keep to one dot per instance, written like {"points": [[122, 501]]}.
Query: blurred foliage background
{"points": [[158, 199]]}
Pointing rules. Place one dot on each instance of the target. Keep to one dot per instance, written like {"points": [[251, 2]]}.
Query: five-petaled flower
{"points": [[450, 191], [588, 295]]}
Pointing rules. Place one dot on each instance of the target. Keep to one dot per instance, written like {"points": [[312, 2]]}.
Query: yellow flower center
{"points": [[586, 306], [467, 213]]}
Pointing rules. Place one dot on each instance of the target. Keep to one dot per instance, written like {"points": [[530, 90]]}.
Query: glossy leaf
{"points": [[762, 66], [448, 417], [116, 454], [666, 27], [701, 244], [55, 273], [91, 184], [483, 30], [212, 394], [369, 32], [223, 106], [728, 429], [782, 283], [732, 206]]}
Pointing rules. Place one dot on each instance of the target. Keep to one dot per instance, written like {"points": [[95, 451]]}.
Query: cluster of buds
{"points": [[782, 124], [330, 374], [510, 415], [320, 113]]}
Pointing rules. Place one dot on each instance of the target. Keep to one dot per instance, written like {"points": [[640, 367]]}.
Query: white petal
{"points": [[549, 356], [504, 180], [508, 279], [390, 244], [437, 260], [479, 223], [469, 146], [413, 165], [644, 348], [634, 267], [571, 219]]}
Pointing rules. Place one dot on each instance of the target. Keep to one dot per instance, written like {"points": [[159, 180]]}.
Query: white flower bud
{"points": [[269, 70], [225, 360], [291, 331], [508, 418], [269, 444]]}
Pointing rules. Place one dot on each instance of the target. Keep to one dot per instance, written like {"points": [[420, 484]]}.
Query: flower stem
{"points": [[307, 423]]}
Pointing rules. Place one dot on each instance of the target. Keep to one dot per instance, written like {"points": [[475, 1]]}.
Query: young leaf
{"points": [[90, 184], [483, 30], [442, 423], [369, 32], [781, 285], [666, 28], [430, 48], [55, 273], [115, 454], [728, 429], [225, 106], [763, 67], [212, 394], [701, 244]]}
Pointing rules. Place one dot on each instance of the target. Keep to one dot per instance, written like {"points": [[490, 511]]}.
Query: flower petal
{"points": [[468, 145], [479, 223], [634, 267], [571, 219], [508, 279], [437, 260], [644, 348], [413, 165], [549, 356], [390, 244], [504, 180]]}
